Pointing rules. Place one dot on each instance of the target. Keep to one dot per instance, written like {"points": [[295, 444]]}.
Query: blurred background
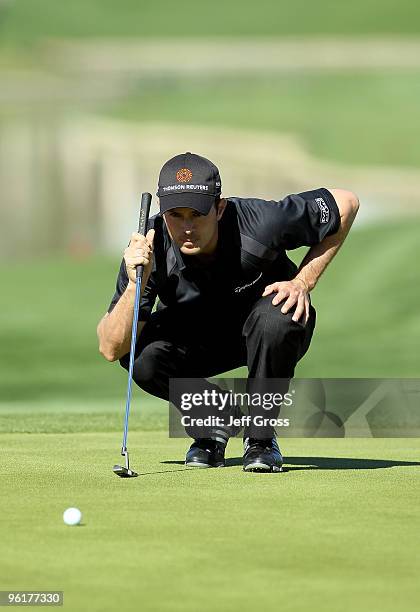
{"points": [[96, 95]]}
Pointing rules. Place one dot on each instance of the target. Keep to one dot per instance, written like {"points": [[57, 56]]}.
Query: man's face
{"points": [[192, 232]]}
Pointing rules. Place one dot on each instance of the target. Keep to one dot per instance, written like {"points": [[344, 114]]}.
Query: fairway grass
{"points": [[367, 325], [352, 118], [27, 21], [337, 531]]}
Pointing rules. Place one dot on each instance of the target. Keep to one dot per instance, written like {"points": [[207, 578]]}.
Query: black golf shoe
{"points": [[262, 455], [205, 453]]}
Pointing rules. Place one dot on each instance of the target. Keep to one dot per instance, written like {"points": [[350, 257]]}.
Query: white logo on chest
{"points": [[243, 287]]}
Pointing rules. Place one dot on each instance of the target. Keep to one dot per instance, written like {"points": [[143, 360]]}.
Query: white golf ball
{"points": [[72, 516]]}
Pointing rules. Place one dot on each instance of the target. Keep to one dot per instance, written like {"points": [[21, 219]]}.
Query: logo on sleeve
{"points": [[324, 210], [184, 175]]}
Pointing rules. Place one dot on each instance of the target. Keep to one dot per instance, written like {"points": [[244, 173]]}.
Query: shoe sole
{"points": [[197, 464], [262, 467]]}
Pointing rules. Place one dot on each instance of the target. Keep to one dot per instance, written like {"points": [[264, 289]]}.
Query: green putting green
{"points": [[337, 531]]}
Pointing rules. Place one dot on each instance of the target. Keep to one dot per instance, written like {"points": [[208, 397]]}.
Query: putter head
{"points": [[124, 472]]}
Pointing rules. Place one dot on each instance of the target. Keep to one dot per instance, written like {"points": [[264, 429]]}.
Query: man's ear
{"points": [[221, 208]]}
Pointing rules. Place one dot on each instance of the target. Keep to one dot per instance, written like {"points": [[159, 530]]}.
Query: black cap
{"points": [[189, 181]]}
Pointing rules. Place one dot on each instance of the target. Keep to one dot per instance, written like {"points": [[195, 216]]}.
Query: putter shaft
{"points": [[124, 471]]}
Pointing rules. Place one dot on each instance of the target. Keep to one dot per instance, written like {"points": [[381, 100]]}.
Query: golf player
{"points": [[228, 295]]}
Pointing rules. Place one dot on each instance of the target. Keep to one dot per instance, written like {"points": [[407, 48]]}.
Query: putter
{"points": [[124, 471]]}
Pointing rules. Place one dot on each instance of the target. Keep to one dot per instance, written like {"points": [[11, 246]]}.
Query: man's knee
{"points": [[267, 323], [148, 366]]}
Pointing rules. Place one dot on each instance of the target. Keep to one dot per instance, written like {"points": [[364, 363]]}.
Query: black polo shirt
{"points": [[254, 236]]}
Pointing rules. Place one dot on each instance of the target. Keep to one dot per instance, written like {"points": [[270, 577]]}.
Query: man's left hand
{"points": [[295, 292]]}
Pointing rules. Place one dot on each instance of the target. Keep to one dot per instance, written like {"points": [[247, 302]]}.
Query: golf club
{"points": [[124, 471]]}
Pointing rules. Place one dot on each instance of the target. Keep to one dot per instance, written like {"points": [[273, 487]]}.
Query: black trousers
{"points": [[257, 335]]}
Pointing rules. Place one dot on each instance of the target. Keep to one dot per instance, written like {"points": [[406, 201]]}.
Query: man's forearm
{"points": [[320, 255], [114, 330]]}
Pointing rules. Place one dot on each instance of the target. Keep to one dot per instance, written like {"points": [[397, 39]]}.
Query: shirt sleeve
{"points": [[306, 218], [147, 300]]}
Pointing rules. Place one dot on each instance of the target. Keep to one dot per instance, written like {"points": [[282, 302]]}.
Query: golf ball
{"points": [[72, 516]]}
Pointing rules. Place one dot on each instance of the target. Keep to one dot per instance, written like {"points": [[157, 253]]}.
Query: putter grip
{"points": [[146, 200]]}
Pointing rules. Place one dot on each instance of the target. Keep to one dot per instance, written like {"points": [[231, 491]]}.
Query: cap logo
{"points": [[184, 175]]}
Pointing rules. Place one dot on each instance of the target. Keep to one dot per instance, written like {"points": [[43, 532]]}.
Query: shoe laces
{"points": [[208, 444], [204, 443], [266, 443]]}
